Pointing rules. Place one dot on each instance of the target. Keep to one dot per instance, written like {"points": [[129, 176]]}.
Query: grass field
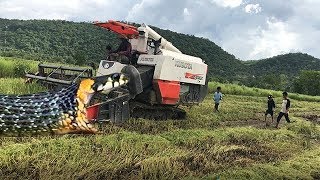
{"points": [[232, 144], [18, 86], [13, 67]]}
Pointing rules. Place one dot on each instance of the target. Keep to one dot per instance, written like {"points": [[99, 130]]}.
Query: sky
{"points": [[248, 29]]}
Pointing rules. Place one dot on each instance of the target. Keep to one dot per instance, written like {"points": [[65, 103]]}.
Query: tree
{"points": [[80, 58], [308, 82]]}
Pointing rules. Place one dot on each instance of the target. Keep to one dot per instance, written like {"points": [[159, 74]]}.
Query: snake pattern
{"points": [[60, 112]]}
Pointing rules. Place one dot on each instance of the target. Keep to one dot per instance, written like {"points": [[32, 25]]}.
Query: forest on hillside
{"points": [[72, 42], [80, 43]]}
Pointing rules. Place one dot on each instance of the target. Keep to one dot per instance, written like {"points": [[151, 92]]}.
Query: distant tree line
{"points": [[308, 82]]}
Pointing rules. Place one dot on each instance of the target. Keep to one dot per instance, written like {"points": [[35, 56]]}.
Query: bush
{"points": [[12, 67], [20, 68], [308, 82]]}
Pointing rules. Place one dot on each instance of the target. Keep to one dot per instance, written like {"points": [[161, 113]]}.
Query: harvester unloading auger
{"points": [[156, 80]]}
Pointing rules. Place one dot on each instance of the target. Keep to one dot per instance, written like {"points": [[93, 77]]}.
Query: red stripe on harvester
{"points": [[169, 91]]}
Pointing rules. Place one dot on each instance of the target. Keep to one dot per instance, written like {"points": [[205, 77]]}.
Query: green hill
{"points": [[281, 72], [69, 41], [290, 64], [53, 40]]}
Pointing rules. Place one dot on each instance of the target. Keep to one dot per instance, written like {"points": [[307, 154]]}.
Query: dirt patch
{"points": [[315, 175], [257, 123], [205, 160], [209, 155], [311, 117]]}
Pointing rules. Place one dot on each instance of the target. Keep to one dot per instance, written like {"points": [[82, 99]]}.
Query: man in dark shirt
{"points": [[123, 53], [270, 110]]}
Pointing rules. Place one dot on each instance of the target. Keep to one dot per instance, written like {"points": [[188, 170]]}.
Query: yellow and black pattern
{"points": [[59, 112]]}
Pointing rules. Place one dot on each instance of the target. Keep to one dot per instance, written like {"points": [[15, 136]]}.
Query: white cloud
{"points": [[138, 10], [253, 8], [186, 12], [228, 3], [81, 10], [14, 9], [274, 40]]}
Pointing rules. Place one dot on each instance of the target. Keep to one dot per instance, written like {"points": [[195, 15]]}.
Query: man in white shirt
{"points": [[217, 97], [284, 109]]}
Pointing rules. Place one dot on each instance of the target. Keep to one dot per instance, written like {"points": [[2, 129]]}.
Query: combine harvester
{"points": [[157, 80]]}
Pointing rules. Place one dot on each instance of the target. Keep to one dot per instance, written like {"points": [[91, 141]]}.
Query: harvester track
{"points": [[156, 112]]}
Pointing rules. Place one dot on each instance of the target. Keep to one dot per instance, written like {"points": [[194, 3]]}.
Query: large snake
{"points": [[59, 112]]}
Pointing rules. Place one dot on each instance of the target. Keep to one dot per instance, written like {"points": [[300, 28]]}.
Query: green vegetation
{"points": [[289, 64], [18, 86], [279, 73], [13, 67], [308, 82], [168, 155], [56, 41], [249, 91], [305, 166]]}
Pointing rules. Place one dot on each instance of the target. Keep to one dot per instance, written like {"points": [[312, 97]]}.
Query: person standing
{"points": [[284, 109], [217, 97], [270, 110]]}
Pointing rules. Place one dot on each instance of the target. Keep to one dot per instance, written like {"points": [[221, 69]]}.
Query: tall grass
{"points": [[232, 144], [304, 166], [249, 91], [12, 67], [17, 86], [130, 155], [15, 67], [168, 149]]}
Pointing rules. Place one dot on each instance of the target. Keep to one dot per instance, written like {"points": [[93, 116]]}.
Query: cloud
{"points": [[274, 40], [143, 11], [78, 10], [186, 12], [228, 3], [249, 29], [253, 8]]}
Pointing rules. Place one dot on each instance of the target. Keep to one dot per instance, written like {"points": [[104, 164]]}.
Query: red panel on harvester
{"points": [[92, 112], [169, 91], [120, 28]]}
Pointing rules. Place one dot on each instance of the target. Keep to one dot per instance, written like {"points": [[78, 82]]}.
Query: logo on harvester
{"points": [[107, 65], [181, 64], [147, 59], [194, 76]]}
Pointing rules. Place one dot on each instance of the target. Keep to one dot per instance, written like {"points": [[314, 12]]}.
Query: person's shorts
{"points": [[269, 112]]}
